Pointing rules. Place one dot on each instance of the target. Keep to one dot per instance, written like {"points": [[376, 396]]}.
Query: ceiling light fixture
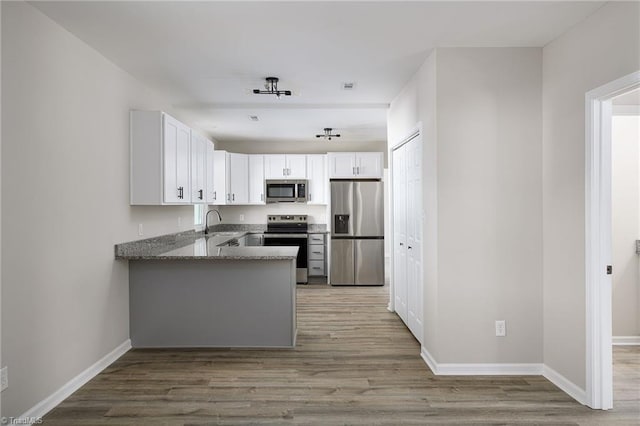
{"points": [[327, 134], [272, 88]]}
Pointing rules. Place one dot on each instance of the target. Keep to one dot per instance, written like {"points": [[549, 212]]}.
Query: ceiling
{"points": [[205, 57]]}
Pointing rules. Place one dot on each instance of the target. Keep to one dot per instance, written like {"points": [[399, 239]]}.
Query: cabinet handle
{"points": [[358, 170], [233, 197], [315, 267], [409, 247], [284, 172], [317, 252], [180, 192], [401, 244], [228, 196], [354, 170], [200, 192], [215, 195]]}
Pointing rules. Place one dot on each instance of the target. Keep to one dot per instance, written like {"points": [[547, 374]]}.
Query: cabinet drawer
{"points": [[316, 268], [316, 238], [316, 252]]}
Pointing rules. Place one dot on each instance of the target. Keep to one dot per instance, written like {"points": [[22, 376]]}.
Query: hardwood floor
{"points": [[355, 363]]}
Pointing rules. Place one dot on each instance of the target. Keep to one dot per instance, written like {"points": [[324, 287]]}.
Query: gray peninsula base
{"points": [[220, 303]]}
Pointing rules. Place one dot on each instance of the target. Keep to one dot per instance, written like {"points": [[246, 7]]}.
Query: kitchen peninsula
{"points": [[192, 290]]}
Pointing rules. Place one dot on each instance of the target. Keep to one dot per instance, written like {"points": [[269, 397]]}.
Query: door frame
{"points": [[412, 134], [598, 230]]}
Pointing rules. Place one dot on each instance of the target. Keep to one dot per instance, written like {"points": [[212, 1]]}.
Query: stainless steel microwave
{"points": [[286, 191]]}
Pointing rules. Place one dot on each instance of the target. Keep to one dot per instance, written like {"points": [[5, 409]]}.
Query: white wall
{"points": [[490, 203], [625, 150], [598, 50], [65, 159], [415, 104], [481, 115]]}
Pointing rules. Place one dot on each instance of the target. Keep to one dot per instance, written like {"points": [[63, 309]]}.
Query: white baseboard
{"points": [[626, 340], [567, 386], [490, 369], [429, 360], [50, 402], [480, 369]]}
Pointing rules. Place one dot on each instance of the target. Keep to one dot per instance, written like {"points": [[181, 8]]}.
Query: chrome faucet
{"points": [[206, 218]]}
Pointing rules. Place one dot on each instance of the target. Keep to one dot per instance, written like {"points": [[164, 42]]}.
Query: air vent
{"points": [[348, 86], [253, 118]]}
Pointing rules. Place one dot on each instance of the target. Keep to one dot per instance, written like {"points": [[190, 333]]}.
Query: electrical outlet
{"points": [[4, 378], [501, 328], [241, 218], [140, 232]]}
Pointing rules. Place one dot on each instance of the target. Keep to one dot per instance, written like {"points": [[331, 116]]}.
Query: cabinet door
{"points": [[210, 175], [239, 178], [176, 173], [275, 166], [198, 168], [256, 179], [342, 165], [296, 166], [369, 164], [318, 182], [220, 181]]}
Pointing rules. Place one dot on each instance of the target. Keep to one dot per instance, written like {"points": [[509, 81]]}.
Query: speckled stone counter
{"points": [[192, 245]]}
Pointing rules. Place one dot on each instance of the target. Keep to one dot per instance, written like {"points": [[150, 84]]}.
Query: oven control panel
{"points": [[302, 218]]}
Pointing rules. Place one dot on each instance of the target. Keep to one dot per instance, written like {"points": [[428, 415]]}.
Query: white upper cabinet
{"points": [[370, 164], [220, 193], [356, 165], [281, 166], [198, 168], [238, 178], [160, 159], [256, 179], [317, 175], [210, 175]]}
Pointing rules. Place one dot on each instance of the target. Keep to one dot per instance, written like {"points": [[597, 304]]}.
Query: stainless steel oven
{"points": [[289, 230], [286, 191]]}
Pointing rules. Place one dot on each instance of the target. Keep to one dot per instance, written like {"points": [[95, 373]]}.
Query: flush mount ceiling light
{"points": [[327, 134], [271, 85]]}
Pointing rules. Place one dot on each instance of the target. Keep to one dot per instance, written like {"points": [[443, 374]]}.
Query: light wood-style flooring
{"points": [[355, 364]]}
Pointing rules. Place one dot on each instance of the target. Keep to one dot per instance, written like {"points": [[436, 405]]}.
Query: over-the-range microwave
{"points": [[286, 191]]}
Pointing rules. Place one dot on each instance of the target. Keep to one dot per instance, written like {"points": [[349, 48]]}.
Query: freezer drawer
{"points": [[369, 262], [342, 262]]}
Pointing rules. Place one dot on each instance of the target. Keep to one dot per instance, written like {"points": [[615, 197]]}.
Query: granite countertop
{"points": [[193, 245]]}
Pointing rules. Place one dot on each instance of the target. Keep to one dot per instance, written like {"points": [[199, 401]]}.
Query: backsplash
{"points": [[258, 214]]}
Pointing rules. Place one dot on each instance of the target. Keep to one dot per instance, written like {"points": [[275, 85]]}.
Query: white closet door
{"points": [[414, 243], [400, 232]]}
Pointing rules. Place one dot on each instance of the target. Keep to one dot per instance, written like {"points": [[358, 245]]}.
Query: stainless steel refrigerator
{"points": [[357, 233]]}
